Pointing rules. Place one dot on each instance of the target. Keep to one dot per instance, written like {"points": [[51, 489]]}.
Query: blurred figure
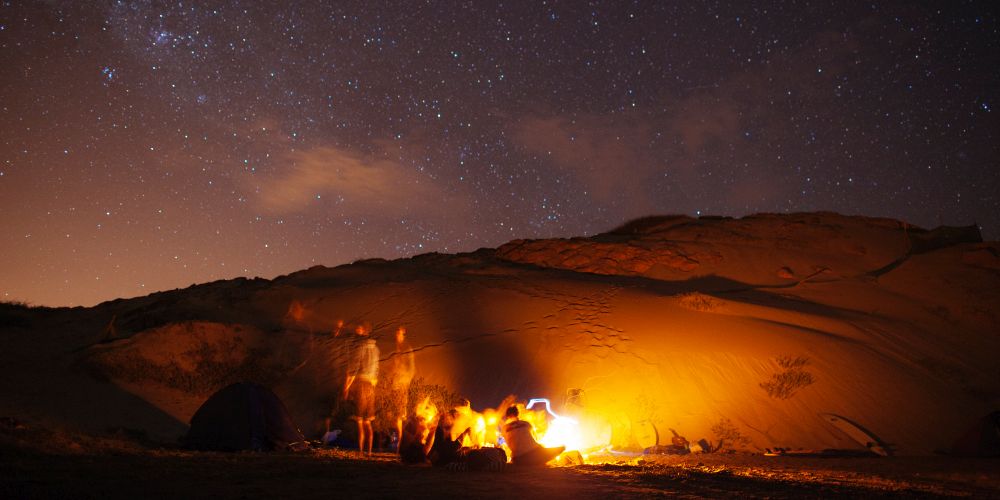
{"points": [[446, 450], [296, 313], [403, 370], [335, 356], [362, 373], [519, 436], [416, 439], [450, 453], [465, 417]]}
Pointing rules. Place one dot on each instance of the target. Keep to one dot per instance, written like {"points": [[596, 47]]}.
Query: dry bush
{"points": [[790, 363], [728, 436], [16, 314], [208, 375], [389, 402], [784, 384], [700, 302]]}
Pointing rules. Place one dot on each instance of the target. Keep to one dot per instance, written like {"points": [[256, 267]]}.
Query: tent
{"points": [[981, 440], [242, 416]]}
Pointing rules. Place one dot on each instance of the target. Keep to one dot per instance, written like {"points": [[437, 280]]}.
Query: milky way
{"points": [[150, 145]]}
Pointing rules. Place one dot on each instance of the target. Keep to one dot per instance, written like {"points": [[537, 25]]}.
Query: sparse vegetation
{"points": [[790, 363], [15, 313], [699, 302], [389, 402], [784, 384], [208, 374], [728, 436], [645, 414], [18, 304]]}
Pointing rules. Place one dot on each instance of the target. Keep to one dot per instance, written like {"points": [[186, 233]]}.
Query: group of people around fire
{"points": [[450, 438], [441, 441]]}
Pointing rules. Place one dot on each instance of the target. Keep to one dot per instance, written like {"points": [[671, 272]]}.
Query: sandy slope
{"points": [[679, 322]]}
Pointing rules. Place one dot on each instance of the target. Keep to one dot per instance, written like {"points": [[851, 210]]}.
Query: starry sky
{"points": [[149, 145]]}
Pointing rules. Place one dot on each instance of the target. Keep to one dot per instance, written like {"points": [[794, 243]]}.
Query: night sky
{"points": [[151, 145]]}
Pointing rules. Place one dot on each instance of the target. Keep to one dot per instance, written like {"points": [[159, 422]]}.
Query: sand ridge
{"points": [[746, 328]]}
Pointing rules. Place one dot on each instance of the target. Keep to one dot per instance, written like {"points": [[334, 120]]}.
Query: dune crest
{"points": [[742, 330]]}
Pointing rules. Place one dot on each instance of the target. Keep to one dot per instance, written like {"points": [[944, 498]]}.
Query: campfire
{"points": [[551, 428], [554, 429]]}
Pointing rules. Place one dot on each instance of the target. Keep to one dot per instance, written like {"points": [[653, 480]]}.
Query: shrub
{"points": [[389, 402], [784, 384], [15, 314], [208, 375], [699, 302], [728, 435]]}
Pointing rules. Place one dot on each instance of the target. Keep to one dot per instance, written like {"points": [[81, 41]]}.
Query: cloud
{"points": [[350, 184], [603, 155], [727, 143], [703, 119]]}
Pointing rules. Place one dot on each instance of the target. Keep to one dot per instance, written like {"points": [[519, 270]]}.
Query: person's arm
{"points": [[347, 385], [501, 412], [431, 434], [466, 432], [353, 368]]}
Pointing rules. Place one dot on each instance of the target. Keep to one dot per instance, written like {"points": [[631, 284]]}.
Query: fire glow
{"points": [[551, 429], [560, 430]]}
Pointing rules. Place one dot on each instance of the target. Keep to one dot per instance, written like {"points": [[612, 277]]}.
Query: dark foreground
{"points": [[145, 473]]}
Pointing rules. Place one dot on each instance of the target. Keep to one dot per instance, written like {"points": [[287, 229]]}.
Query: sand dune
{"points": [[744, 329]]}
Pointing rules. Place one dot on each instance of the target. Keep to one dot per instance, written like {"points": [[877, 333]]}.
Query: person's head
{"points": [[400, 334], [446, 420], [511, 412], [362, 330]]}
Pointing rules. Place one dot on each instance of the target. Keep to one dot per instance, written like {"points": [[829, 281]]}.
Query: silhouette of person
{"points": [[524, 450], [362, 373], [416, 440], [403, 370], [335, 357], [448, 451]]}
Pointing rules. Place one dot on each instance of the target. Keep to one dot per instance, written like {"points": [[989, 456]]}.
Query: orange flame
{"points": [[426, 410], [557, 430]]}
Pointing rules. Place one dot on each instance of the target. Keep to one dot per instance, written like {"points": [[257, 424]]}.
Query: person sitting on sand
{"points": [[416, 440], [445, 449], [450, 453], [524, 450]]}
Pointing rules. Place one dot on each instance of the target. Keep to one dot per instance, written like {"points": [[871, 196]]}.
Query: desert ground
{"points": [[37, 463], [746, 334], [117, 468]]}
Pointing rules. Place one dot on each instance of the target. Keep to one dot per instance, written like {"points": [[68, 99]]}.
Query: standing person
{"points": [[336, 353], [403, 369], [362, 373], [524, 450]]}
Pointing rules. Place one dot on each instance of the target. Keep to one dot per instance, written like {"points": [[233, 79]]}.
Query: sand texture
{"points": [[740, 330]]}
